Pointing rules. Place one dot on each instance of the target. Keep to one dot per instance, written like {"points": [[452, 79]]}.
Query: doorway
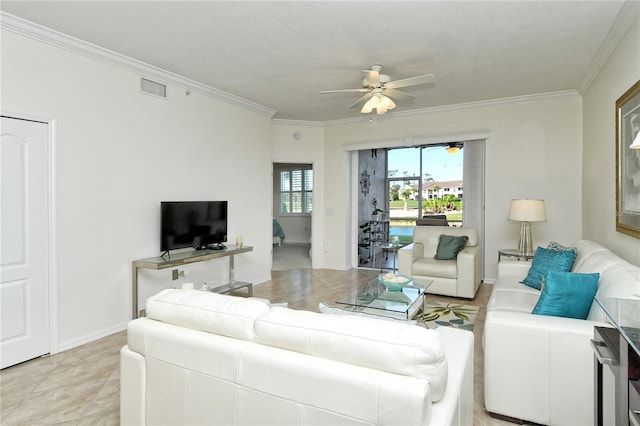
{"points": [[401, 188], [292, 216], [368, 160], [25, 287]]}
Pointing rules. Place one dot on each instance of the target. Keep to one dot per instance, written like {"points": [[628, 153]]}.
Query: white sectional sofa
{"points": [[541, 368], [204, 358]]}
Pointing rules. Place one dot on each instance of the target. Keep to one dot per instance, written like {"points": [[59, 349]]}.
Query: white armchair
{"points": [[459, 277]]}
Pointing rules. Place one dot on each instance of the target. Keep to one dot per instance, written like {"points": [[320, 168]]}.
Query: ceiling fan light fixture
{"points": [[452, 148], [373, 86], [379, 102], [388, 103], [367, 108]]}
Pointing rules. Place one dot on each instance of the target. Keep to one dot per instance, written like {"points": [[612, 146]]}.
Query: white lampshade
{"points": [[636, 142], [527, 211]]}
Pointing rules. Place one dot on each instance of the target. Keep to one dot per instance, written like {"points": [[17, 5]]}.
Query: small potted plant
{"points": [[375, 214]]}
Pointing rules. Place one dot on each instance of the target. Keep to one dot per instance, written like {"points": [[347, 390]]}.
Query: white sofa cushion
{"points": [[398, 348], [212, 312], [515, 301], [597, 262], [586, 249], [430, 266]]}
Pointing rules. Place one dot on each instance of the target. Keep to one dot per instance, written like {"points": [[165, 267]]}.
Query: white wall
{"points": [[308, 149], [534, 151], [119, 153], [621, 71]]}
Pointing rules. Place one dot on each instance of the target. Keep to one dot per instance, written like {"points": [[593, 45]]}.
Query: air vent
{"points": [[153, 88]]}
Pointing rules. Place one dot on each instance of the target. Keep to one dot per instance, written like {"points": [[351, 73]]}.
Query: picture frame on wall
{"points": [[628, 162]]}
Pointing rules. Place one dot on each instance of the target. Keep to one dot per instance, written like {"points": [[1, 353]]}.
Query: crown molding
{"points": [[46, 35], [417, 140], [303, 123], [628, 13], [516, 100]]}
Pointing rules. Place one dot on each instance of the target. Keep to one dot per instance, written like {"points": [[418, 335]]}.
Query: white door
{"points": [[24, 235]]}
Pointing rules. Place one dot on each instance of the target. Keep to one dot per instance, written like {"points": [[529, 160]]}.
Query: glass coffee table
{"points": [[374, 298]]}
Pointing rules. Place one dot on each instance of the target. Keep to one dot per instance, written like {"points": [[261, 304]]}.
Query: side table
{"points": [[231, 287], [179, 259], [387, 247], [513, 253]]}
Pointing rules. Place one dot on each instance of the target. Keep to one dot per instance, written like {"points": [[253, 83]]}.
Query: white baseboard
{"points": [[338, 267], [64, 346], [262, 280]]}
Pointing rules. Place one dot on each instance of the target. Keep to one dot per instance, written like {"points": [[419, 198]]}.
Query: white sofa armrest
{"points": [[512, 268], [407, 255], [533, 359], [132, 387], [468, 264]]}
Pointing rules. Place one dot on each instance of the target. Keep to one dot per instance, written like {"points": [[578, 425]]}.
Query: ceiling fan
{"points": [[379, 91]]}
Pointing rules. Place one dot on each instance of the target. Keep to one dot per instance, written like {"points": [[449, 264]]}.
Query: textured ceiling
{"points": [[282, 54]]}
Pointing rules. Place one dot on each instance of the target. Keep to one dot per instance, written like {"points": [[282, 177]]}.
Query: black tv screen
{"points": [[196, 224]]}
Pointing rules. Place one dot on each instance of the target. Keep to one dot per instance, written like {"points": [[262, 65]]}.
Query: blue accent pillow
{"points": [[566, 294], [545, 260]]}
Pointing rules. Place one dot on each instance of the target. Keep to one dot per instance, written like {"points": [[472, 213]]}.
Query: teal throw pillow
{"points": [[567, 294], [545, 260], [449, 246]]}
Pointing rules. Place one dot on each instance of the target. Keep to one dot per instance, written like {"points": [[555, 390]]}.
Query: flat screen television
{"points": [[197, 224]]}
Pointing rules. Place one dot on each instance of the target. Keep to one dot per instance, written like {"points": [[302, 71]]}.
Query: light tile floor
{"points": [[81, 386], [78, 386]]}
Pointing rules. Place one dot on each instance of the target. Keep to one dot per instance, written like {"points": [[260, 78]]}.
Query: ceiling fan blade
{"points": [[360, 102], [373, 77], [398, 95], [412, 81], [344, 90]]}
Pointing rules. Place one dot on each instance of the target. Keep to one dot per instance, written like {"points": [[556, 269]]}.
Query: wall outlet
{"points": [[176, 273]]}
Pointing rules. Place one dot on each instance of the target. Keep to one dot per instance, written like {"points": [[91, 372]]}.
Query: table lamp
{"points": [[526, 211]]}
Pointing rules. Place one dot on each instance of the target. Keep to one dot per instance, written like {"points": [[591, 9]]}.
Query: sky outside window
{"points": [[439, 164]]}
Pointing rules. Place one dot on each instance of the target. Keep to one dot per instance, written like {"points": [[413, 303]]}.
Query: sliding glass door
{"points": [[424, 184]]}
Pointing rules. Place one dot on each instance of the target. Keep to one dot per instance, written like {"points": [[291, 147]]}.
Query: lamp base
{"points": [[525, 244]]}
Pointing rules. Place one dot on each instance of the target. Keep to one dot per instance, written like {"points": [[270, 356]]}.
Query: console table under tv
{"points": [[178, 259]]}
